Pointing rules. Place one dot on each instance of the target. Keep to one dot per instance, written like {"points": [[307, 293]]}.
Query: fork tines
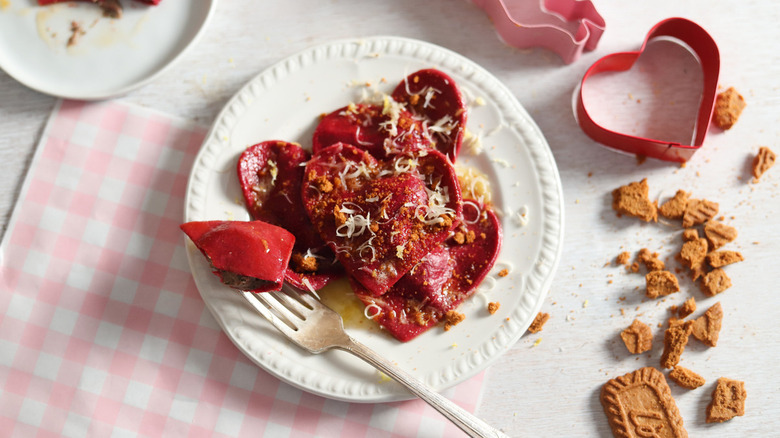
{"points": [[284, 309]]}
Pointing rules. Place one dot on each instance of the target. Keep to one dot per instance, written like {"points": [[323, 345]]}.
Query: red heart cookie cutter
{"points": [[702, 44]]}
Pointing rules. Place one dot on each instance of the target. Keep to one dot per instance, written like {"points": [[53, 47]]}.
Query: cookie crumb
{"points": [[728, 401], [323, 184], [460, 238], [452, 318], [622, 258], [76, 32], [493, 307], [339, 216], [539, 321], [305, 263], [638, 337], [503, 272]]}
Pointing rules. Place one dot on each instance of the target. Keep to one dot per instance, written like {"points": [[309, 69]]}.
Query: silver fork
{"points": [[313, 326]]}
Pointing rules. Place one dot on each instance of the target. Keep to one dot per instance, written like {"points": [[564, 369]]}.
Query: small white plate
{"points": [[284, 102], [111, 57]]}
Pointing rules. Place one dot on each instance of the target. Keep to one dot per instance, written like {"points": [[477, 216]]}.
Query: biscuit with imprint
{"points": [[719, 234], [640, 404], [699, 211]]}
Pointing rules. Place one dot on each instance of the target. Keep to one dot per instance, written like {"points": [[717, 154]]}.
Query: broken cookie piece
{"points": [[699, 211], [638, 337], [674, 208], [539, 321], [692, 255], [728, 107], [690, 234], [686, 378], [659, 283], [675, 340], [688, 307], [715, 282], [718, 234], [632, 200], [493, 307], [762, 161], [728, 401], [718, 259], [650, 260], [706, 328]]}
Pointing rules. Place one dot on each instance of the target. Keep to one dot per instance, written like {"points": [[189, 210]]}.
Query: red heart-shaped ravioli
{"points": [[245, 255], [435, 97], [382, 131], [442, 280], [380, 217], [270, 174]]}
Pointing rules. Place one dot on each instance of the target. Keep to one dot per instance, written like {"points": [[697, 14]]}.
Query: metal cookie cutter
{"points": [[702, 44], [566, 27]]}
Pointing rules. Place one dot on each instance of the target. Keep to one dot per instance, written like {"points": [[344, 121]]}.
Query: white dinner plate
{"points": [[111, 56], [284, 102]]}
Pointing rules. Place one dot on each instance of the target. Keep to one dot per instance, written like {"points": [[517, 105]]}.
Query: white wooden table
{"points": [[551, 388]]}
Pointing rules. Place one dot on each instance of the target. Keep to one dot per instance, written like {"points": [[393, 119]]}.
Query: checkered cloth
{"points": [[103, 332]]}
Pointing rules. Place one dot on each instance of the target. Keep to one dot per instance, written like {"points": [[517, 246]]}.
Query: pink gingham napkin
{"points": [[102, 330]]}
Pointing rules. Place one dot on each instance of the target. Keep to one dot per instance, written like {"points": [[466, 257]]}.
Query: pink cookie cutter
{"points": [[702, 44], [567, 27]]}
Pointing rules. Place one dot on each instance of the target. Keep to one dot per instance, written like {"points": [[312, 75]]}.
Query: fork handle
{"points": [[470, 424]]}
